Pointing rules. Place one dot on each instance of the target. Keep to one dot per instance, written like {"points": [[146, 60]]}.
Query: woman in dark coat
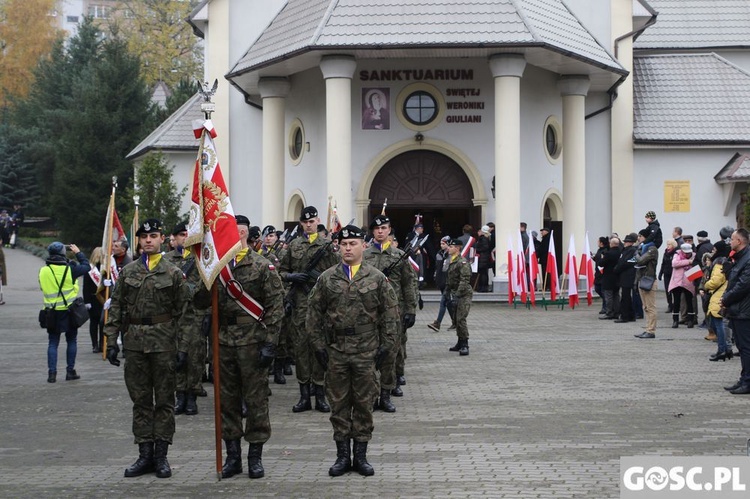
{"points": [[484, 262], [665, 272], [603, 246]]}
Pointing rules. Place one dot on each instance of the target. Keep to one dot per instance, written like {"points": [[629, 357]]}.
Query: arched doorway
{"points": [[552, 218], [427, 183]]}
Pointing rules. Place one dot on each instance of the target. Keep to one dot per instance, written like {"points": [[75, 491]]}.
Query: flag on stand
{"points": [[587, 270], [113, 231], [694, 273], [511, 272], [554, 286], [533, 271], [334, 224], [571, 271], [521, 282], [212, 229]]}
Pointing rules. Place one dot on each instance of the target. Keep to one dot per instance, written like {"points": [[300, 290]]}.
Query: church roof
{"points": [[736, 170], [690, 24], [690, 98], [308, 25], [175, 133]]}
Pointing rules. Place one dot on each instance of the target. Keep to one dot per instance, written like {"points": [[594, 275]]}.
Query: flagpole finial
{"points": [[136, 199], [207, 91]]}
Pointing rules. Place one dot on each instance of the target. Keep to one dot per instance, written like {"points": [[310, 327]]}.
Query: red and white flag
{"points": [[512, 272], [533, 271], [554, 285], [468, 251], [113, 231], [571, 270], [587, 271], [414, 265], [694, 273], [521, 269], [212, 229]]}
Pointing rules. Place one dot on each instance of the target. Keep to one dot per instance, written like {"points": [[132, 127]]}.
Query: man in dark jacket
{"points": [[543, 250], [610, 283], [736, 300], [654, 231], [625, 270]]}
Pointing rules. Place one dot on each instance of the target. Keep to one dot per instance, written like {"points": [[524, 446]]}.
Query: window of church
{"points": [[552, 139], [296, 140], [420, 107]]}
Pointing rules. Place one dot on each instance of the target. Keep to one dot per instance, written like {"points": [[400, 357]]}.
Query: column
{"points": [[573, 90], [507, 70], [338, 71], [273, 91]]}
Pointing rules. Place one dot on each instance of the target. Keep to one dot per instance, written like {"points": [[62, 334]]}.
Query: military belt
{"points": [[233, 321], [353, 331], [149, 321]]}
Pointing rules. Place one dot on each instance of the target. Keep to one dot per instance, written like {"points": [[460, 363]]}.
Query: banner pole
{"points": [[108, 256], [215, 367]]}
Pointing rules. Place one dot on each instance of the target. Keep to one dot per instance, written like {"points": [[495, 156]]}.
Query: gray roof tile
{"points": [[736, 170], [175, 133], [689, 24], [311, 24], [690, 98]]}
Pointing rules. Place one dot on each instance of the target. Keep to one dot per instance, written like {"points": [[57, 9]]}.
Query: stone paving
{"points": [[544, 406]]}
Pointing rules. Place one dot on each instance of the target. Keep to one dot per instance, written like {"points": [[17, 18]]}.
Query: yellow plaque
{"points": [[677, 196]]}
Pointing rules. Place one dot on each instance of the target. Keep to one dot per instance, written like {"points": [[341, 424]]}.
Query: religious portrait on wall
{"points": [[375, 109]]}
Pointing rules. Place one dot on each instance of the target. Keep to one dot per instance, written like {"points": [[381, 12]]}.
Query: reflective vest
{"points": [[50, 277]]}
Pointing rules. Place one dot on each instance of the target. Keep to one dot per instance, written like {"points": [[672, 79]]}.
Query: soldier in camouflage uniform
{"points": [[148, 300], [403, 279], [189, 379], [459, 289], [271, 249], [293, 266], [247, 348], [353, 321]]}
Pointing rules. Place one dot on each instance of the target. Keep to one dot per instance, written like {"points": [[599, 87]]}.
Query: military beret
{"points": [[180, 227], [322, 228], [351, 232], [379, 220], [150, 225], [702, 233], [308, 212], [651, 214], [456, 242], [56, 248], [268, 229], [242, 220], [253, 232]]}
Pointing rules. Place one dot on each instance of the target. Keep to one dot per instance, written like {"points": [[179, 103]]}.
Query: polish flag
{"points": [[533, 271], [694, 273], [512, 272], [413, 264], [467, 252], [521, 272], [571, 270], [587, 271], [554, 286]]}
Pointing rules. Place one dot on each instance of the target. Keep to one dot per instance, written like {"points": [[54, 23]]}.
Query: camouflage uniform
{"points": [[189, 379], [145, 300], [295, 260], [240, 339], [403, 280], [284, 348], [351, 319], [459, 277]]}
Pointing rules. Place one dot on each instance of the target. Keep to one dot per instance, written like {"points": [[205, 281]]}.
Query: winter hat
{"points": [[702, 233], [651, 214], [486, 229], [56, 248], [686, 248]]}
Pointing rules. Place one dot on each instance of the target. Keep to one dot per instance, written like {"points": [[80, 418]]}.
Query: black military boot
{"points": [[288, 366], [160, 459], [691, 321], [400, 380], [71, 375], [304, 399], [180, 403], [343, 458], [385, 401], [360, 464], [320, 399], [254, 463], [456, 347], [145, 462], [278, 372], [397, 392], [191, 405], [464, 347], [233, 464]]}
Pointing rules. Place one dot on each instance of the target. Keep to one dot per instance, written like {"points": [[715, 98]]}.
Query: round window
{"points": [[297, 144], [552, 139], [296, 141], [420, 108]]}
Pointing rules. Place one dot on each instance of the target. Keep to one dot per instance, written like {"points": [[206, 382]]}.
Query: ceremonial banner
{"points": [[533, 271], [521, 281], [512, 277], [113, 231], [571, 271], [554, 285], [468, 251], [212, 229], [587, 271]]}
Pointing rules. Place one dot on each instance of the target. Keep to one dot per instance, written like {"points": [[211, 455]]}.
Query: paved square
{"points": [[544, 406]]}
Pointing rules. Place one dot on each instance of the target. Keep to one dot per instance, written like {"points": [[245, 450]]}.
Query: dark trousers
{"points": [[670, 304], [626, 304], [677, 294], [741, 330], [612, 299], [637, 304]]}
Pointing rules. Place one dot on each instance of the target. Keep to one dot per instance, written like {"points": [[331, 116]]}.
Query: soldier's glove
{"points": [[299, 278], [420, 302], [181, 363], [206, 326], [288, 308], [409, 320], [322, 358], [266, 354], [380, 354], [112, 355]]}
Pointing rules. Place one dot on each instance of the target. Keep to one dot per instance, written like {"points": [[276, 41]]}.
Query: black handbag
{"points": [[646, 283], [47, 319]]}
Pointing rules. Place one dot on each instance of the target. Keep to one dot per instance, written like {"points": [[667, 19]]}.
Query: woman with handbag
{"points": [[58, 280], [645, 281]]}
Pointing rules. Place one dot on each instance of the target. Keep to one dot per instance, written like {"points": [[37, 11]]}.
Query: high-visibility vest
{"points": [[50, 278]]}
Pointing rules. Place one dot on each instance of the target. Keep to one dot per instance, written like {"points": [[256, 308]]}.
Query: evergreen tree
{"points": [[17, 177], [159, 197]]}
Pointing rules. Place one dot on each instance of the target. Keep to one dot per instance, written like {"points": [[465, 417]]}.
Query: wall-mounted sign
{"points": [[677, 196]]}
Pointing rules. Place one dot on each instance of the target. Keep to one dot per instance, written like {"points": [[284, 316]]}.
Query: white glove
{"points": [[88, 306], [107, 283], [107, 303]]}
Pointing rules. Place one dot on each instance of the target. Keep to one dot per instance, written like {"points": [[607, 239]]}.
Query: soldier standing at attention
{"points": [[459, 287], [247, 348], [403, 279], [189, 379], [270, 249], [293, 270], [352, 319], [149, 299]]}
